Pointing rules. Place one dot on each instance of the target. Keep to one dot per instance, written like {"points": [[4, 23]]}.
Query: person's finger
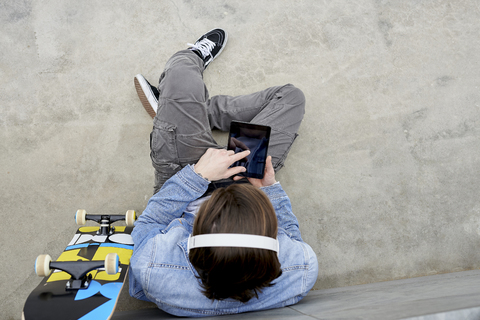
{"points": [[239, 156], [269, 165], [230, 152], [236, 178]]}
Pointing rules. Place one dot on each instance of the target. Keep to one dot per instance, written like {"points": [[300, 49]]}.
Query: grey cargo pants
{"points": [[182, 128]]}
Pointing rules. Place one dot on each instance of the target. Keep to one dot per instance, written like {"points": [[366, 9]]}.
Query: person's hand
{"points": [[214, 164], [268, 176]]}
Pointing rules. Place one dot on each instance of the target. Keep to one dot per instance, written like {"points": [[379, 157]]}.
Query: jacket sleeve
{"points": [[283, 209], [169, 203]]}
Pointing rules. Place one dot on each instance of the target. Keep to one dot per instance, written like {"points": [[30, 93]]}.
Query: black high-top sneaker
{"points": [[210, 45], [148, 94]]}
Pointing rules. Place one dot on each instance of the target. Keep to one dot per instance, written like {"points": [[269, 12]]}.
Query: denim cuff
{"points": [[274, 191], [192, 179]]}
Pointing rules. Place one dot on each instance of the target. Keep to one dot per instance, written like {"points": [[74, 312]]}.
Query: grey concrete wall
{"points": [[384, 177]]}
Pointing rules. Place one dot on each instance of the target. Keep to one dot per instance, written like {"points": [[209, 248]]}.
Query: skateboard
{"points": [[86, 280]]}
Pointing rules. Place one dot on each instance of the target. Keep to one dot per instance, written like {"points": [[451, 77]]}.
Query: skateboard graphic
{"points": [[86, 280]]}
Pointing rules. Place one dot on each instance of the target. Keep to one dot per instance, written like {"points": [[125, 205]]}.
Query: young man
{"points": [[209, 243]]}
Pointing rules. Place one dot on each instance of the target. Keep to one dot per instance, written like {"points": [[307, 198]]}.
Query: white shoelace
{"points": [[205, 46]]}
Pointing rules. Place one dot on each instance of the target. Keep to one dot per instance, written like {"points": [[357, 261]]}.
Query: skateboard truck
{"points": [[105, 220], [78, 270]]}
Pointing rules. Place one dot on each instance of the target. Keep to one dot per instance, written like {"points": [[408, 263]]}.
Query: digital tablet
{"points": [[247, 136]]}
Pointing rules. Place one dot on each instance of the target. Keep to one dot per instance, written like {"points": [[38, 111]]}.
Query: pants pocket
{"points": [[163, 148], [163, 152]]}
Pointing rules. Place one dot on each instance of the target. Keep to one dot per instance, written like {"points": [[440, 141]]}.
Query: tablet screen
{"points": [[246, 136]]}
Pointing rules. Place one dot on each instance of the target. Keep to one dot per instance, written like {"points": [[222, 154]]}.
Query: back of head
{"points": [[232, 272]]}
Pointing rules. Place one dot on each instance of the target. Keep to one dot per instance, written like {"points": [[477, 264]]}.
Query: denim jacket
{"points": [[161, 272]]}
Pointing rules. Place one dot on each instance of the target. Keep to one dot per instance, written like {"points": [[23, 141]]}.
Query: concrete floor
{"points": [[384, 177], [451, 296]]}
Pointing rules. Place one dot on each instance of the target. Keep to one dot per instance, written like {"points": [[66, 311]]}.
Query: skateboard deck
{"points": [[60, 296]]}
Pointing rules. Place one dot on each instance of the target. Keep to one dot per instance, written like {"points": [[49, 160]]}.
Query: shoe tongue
{"points": [[198, 53]]}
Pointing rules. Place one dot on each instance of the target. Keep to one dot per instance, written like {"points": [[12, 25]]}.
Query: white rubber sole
{"points": [[145, 94]]}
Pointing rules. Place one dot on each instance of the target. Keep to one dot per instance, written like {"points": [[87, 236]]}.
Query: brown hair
{"points": [[232, 272]]}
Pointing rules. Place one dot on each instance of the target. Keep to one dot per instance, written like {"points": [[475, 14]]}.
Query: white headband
{"points": [[232, 240]]}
